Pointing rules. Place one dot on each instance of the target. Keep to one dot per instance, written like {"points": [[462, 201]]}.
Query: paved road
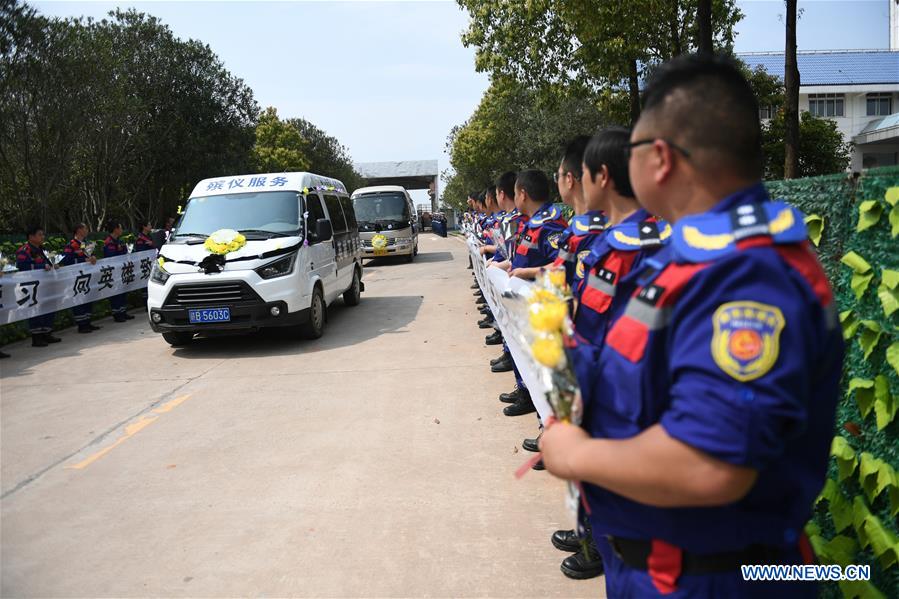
{"points": [[372, 462]]}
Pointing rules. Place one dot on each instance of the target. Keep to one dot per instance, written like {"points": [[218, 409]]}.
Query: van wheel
{"points": [[178, 339], [353, 295], [315, 326]]}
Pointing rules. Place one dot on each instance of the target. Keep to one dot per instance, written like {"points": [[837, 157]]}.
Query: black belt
{"points": [[635, 554]]}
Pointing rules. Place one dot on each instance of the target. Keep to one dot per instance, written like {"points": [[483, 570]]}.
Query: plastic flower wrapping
{"points": [[89, 248], [379, 242], [5, 264], [501, 244], [224, 241], [549, 336]]}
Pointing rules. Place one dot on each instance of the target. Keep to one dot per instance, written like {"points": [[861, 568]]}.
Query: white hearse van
{"points": [[254, 251], [386, 211]]}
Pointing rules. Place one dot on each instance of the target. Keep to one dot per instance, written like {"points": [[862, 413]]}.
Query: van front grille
{"points": [[211, 293]]}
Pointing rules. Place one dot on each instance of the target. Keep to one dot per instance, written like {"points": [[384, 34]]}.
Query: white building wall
{"points": [[855, 118]]}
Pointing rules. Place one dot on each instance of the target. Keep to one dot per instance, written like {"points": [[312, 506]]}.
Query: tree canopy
{"points": [[118, 119], [599, 44], [516, 127]]}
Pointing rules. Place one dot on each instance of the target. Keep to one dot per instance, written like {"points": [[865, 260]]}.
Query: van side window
{"points": [[337, 220], [349, 213], [315, 210]]}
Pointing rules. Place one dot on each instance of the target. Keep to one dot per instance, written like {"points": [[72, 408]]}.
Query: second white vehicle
{"points": [[388, 223]]}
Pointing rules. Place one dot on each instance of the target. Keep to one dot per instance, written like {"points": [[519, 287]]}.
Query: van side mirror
{"points": [[323, 230]]}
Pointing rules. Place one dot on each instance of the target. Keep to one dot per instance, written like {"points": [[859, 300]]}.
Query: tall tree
{"points": [[279, 145], [114, 118], [600, 44], [791, 96], [326, 154], [516, 127]]}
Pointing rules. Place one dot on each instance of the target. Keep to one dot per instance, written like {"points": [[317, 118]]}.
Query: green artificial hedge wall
{"points": [[855, 520]]}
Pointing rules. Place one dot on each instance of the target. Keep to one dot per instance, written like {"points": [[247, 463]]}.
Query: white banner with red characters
{"points": [[500, 290], [26, 294]]}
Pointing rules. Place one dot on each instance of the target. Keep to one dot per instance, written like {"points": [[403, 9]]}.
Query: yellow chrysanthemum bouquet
{"points": [[549, 333], [224, 241]]}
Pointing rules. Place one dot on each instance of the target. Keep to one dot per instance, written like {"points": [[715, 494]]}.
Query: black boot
{"points": [[93, 327], [49, 338], [566, 540], [498, 359], [504, 365], [4, 355], [495, 339], [538, 466], [119, 317], [523, 406], [486, 323], [128, 316], [532, 444], [475, 286], [511, 397], [85, 328], [485, 310], [37, 340], [481, 300], [584, 564]]}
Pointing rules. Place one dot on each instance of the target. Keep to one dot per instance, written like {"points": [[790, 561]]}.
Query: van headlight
{"points": [[158, 274], [277, 268]]}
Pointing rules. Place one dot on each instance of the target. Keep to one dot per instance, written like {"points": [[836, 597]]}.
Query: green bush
{"points": [[855, 517]]}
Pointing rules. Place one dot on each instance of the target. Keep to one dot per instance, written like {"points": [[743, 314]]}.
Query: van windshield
{"points": [[257, 215], [381, 209]]}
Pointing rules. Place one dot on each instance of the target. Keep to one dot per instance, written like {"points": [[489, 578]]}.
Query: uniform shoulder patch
{"points": [[746, 338], [579, 268], [554, 240]]}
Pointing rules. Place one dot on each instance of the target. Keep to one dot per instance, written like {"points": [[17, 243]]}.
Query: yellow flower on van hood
{"points": [[224, 241]]}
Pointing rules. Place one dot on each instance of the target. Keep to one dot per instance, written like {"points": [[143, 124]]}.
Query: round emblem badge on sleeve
{"points": [[746, 339]]}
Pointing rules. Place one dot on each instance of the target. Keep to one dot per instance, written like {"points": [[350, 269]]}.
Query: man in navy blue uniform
{"points": [[510, 227], [586, 224], [74, 253], [708, 439], [631, 236], [537, 247], [114, 246], [31, 256]]}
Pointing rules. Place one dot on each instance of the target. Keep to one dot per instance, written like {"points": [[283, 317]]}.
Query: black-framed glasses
{"points": [[628, 149]]}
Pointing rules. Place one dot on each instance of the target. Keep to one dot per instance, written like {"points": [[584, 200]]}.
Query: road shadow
{"points": [[347, 325], [25, 358], [434, 257], [422, 257]]}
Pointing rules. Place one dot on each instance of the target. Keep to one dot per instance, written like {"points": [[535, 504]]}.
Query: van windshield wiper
{"points": [[269, 234], [195, 238]]}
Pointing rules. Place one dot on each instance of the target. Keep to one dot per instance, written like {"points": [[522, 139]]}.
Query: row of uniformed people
{"points": [[706, 345], [31, 256]]}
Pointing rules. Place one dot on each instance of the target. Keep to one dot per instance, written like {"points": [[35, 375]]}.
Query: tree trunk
{"points": [[791, 98], [704, 27], [633, 85], [674, 30]]}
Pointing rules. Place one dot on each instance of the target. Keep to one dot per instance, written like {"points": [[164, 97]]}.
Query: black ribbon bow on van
{"points": [[215, 263]]}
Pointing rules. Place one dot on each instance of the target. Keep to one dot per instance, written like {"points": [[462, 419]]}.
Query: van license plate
{"points": [[380, 251], [206, 315]]}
